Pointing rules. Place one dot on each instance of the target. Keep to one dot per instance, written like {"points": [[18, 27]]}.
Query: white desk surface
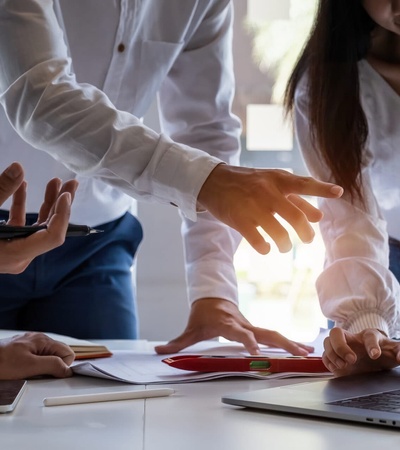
{"points": [[192, 419]]}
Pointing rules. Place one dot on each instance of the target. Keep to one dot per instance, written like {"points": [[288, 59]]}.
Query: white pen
{"points": [[106, 396]]}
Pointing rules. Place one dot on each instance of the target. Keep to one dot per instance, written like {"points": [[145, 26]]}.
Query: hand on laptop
{"points": [[33, 354], [211, 317], [368, 351]]}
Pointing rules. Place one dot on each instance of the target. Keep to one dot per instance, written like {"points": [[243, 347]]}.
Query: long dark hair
{"points": [[339, 38]]}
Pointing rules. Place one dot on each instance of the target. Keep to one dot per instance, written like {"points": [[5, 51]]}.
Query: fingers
{"points": [[61, 350], [10, 180], [286, 202], [58, 223], [49, 357], [176, 345], [244, 336], [250, 232], [313, 214], [17, 209], [277, 340], [337, 351], [48, 365], [236, 333], [372, 343], [20, 252], [296, 218], [54, 190], [311, 186], [50, 196], [255, 239], [277, 233]]}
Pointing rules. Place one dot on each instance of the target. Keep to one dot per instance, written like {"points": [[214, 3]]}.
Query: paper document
{"points": [[146, 367], [142, 365]]}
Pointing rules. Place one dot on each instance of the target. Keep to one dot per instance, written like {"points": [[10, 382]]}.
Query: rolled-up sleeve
{"points": [[356, 288]]}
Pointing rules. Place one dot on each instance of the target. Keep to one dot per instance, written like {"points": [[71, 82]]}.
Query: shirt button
{"points": [[121, 48]]}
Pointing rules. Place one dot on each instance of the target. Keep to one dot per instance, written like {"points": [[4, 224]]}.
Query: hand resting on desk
{"points": [[368, 351], [33, 354], [212, 317]]}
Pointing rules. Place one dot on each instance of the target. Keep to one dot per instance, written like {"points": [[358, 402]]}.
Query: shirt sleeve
{"points": [[195, 109], [78, 125], [356, 288]]}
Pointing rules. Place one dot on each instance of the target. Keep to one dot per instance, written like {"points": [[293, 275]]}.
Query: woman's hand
{"points": [[368, 351]]}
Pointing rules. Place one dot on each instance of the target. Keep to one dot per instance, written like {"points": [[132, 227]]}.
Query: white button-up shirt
{"points": [[133, 50], [356, 287]]}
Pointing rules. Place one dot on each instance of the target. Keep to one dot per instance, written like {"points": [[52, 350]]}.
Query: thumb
{"points": [[49, 365], [176, 345]]}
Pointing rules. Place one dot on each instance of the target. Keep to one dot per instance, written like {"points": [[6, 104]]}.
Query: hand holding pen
{"points": [[15, 255], [12, 232]]}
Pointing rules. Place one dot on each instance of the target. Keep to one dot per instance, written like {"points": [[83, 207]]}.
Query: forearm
{"points": [[209, 251], [356, 288]]}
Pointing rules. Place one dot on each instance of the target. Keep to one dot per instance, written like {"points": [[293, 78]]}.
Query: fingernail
{"points": [[340, 364], [374, 352], [13, 171], [331, 368], [351, 359], [337, 190]]}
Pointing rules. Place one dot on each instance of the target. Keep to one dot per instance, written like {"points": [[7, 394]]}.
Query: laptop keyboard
{"points": [[382, 401]]}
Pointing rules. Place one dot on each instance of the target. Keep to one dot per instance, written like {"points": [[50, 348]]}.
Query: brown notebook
{"points": [[90, 351]]}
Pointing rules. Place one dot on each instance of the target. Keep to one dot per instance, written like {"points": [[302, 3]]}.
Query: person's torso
{"points": [[126, 48]]}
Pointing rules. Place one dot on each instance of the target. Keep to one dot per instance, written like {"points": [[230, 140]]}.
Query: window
{"points": [[276, 291]]}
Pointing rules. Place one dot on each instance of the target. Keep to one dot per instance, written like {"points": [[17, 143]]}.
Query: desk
{"points": [[192, 419]]}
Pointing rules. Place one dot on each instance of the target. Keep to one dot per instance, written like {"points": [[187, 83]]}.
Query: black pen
{"points": [[11, 232]]}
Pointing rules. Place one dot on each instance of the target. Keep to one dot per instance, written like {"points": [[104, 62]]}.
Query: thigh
{"points": [[15, 294], [95, 300]]}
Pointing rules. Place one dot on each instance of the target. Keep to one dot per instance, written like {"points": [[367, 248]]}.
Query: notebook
{"points": [[372, 398]]}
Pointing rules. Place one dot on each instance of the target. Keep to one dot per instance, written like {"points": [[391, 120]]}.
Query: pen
{"points": [[106, 397], [10, 232]]}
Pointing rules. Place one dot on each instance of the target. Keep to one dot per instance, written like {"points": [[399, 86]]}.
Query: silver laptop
{"points": [[372, 398]]}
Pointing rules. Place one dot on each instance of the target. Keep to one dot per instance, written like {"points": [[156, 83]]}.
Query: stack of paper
{"points": [[144, 366]]}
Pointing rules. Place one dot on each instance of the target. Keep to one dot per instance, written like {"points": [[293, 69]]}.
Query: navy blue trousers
{"points": [[83, 288]]}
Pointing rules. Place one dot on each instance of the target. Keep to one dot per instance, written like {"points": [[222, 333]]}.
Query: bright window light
{"points": [[267, 128]]}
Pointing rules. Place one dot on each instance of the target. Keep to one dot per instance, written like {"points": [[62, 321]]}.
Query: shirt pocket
{"points": [[151, 62]]}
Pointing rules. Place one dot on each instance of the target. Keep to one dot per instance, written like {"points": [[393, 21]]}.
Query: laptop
{"points": [[372, 398]]}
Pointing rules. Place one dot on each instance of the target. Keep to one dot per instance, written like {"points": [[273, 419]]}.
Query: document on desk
{"points": [[146, 367]]}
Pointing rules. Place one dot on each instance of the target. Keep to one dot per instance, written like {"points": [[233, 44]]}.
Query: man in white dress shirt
{"points": [[133, 50]]}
